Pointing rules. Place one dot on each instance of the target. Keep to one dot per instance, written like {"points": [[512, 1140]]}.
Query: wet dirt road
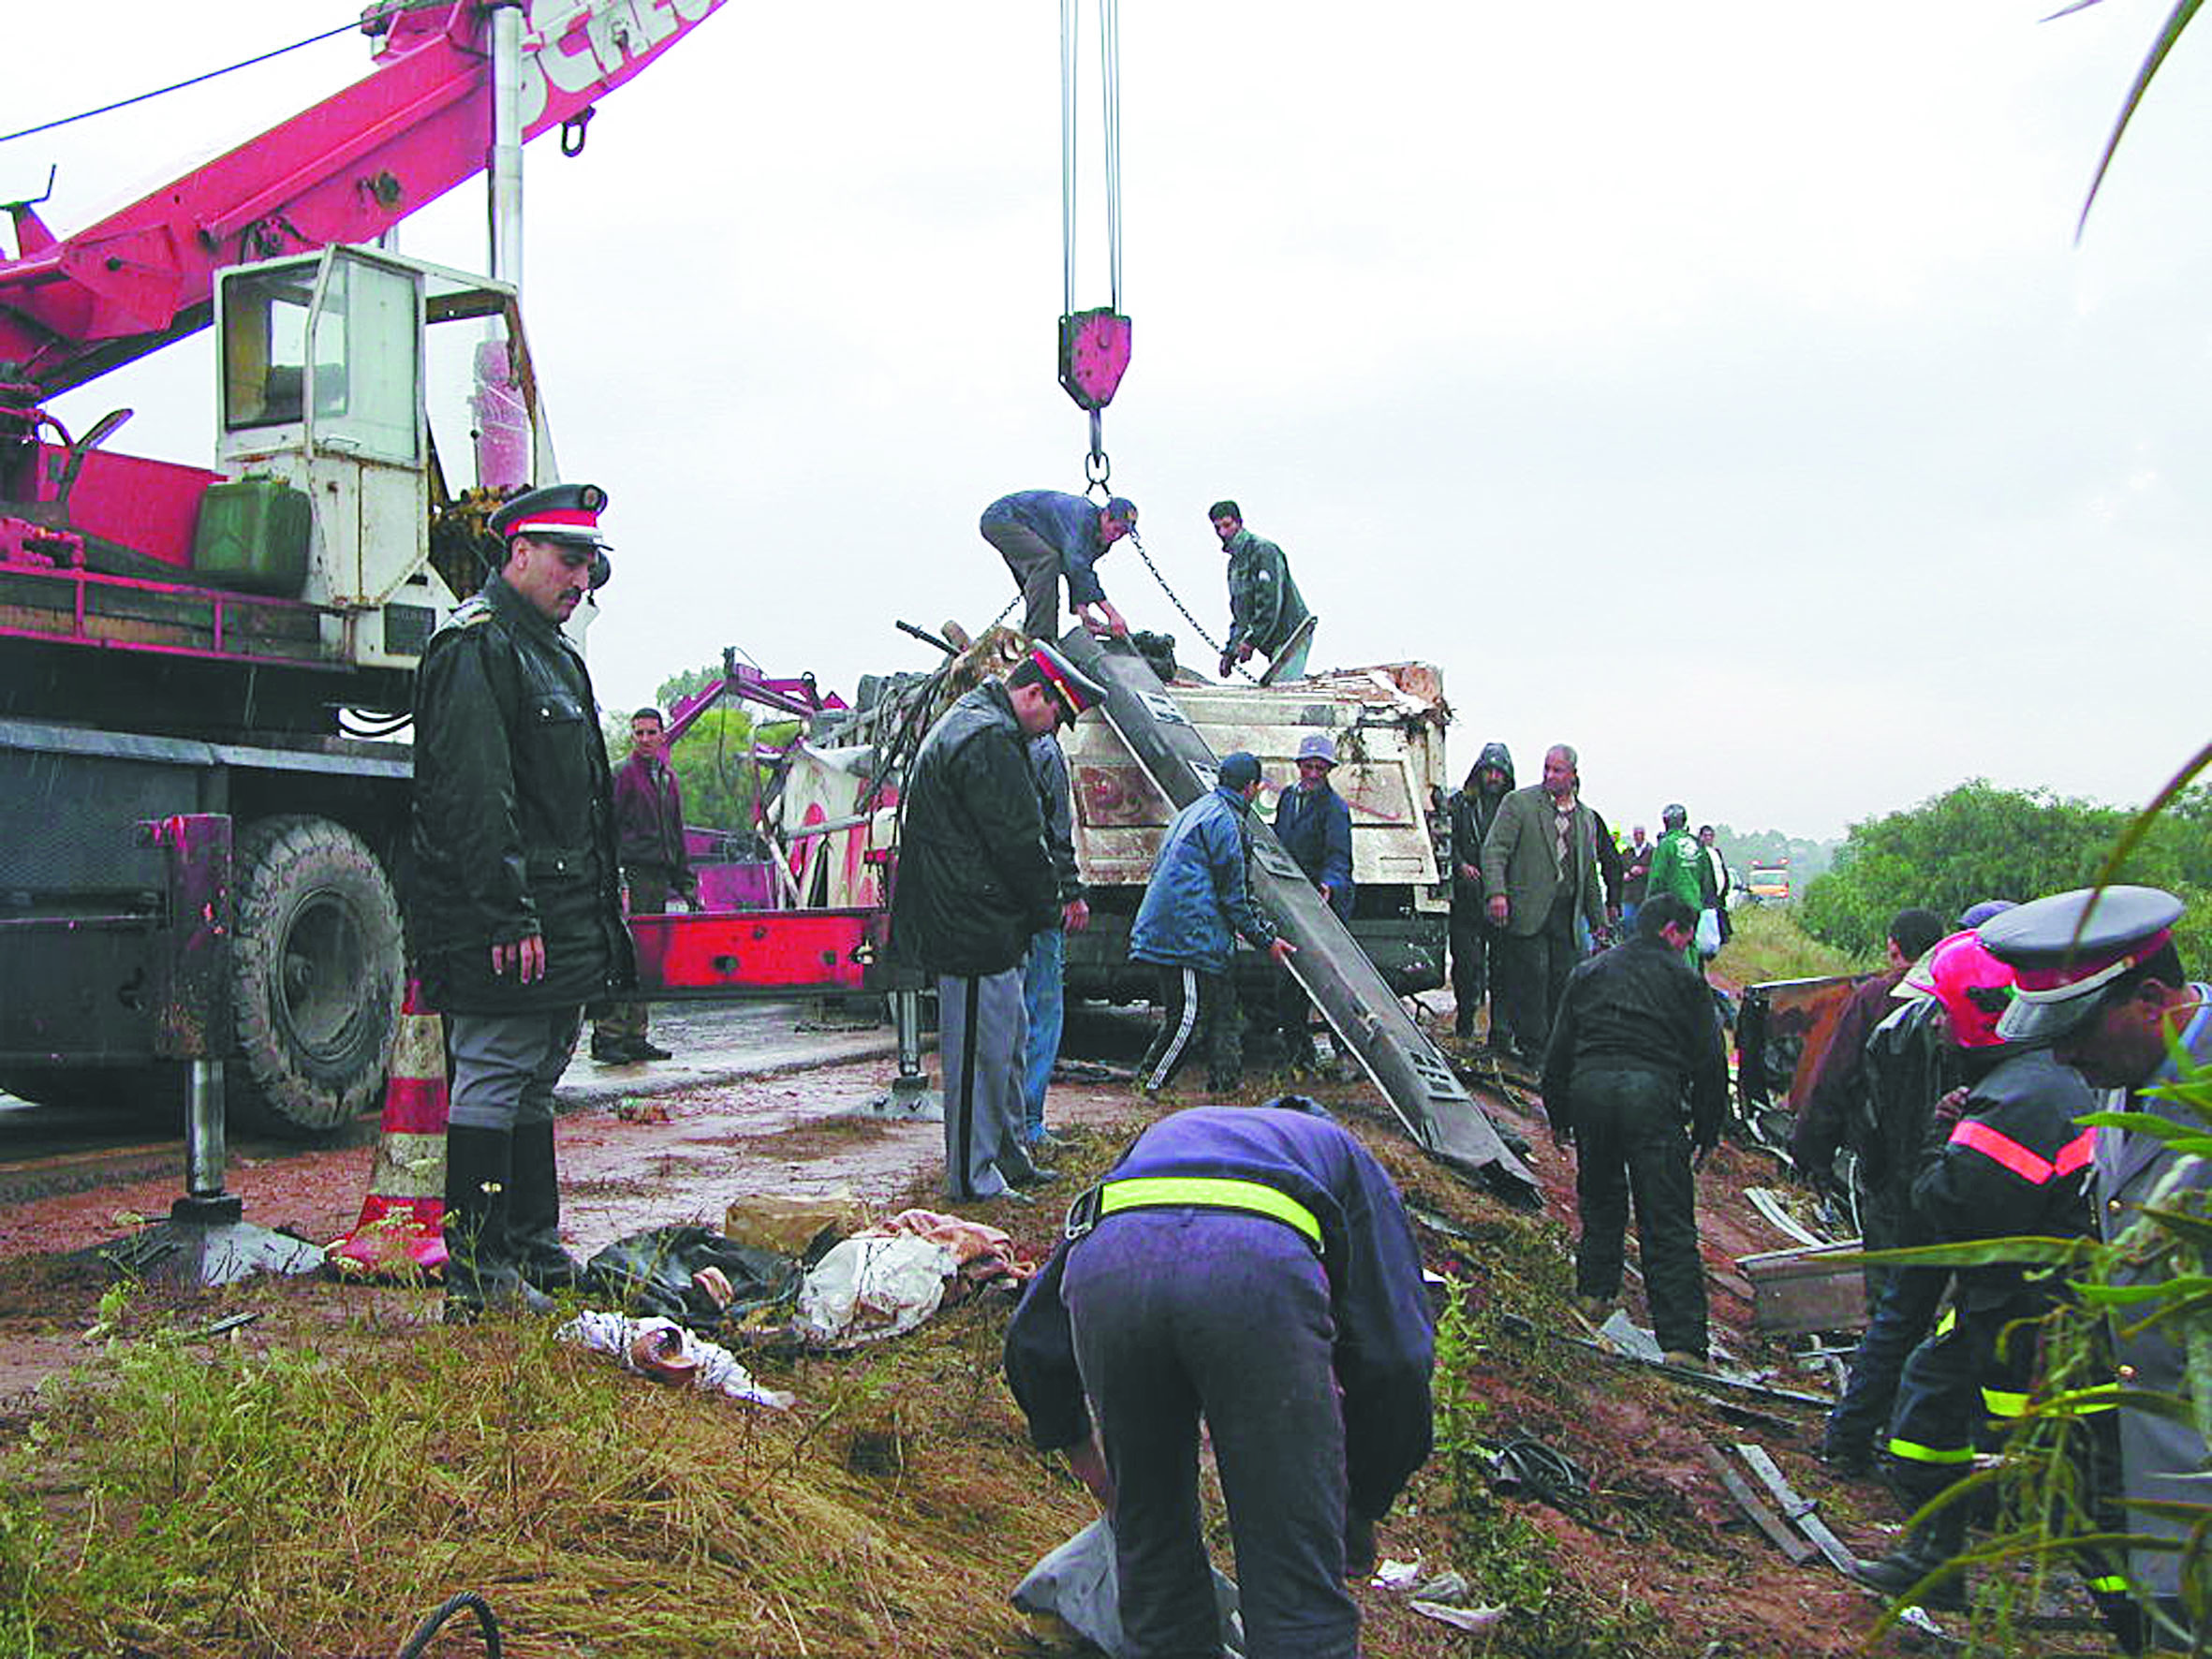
{"points": [[761, 1098]]}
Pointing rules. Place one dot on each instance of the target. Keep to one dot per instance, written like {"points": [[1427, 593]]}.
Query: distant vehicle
{"points": [[1768, 882]]}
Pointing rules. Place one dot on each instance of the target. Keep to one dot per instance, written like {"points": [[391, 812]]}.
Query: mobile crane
{"points": [[181, 641]]}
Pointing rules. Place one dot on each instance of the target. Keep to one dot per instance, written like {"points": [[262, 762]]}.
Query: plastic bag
{"points": [[1075, 1585], [1708, 939], [649, 1275], [870, 1287]]}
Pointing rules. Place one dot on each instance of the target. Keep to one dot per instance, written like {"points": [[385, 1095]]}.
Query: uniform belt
{"points": [[1202, 1192]]}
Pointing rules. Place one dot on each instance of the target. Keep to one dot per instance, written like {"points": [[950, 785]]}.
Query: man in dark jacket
{"points": [[1265, 612], [517, 904], [1636, 1032], [1044, 534], [1475, 938], [1314, 823], [1197, 900], [1253, 1268], [975, 883], [1540, 878], [1635, 873], [1837, 1111], [1942, 1036], [649, 834]]}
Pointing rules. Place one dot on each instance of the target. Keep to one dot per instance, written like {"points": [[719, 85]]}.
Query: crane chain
{"points": [[1195, 626]]}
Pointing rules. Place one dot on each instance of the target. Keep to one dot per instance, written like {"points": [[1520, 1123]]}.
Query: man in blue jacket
{"points": [[1044, 534], [1254, 1267], [1314, 823], [1196, 902], [974, 885]]}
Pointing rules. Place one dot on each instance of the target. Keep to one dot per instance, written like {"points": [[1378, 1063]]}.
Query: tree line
{"points": [[1978, 842]]}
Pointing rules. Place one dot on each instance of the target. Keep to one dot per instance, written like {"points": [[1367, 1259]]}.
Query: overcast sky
{"points": [[1718, 387]]}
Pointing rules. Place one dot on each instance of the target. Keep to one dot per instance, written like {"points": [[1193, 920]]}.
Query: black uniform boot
{"points": [[1925, 1548], [480, 1272], [534, 1212]]}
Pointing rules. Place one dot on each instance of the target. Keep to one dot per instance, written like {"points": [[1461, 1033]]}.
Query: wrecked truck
{"points": [[832, 810]]}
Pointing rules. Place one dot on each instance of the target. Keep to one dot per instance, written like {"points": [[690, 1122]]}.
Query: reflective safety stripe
{"points": [[1208, 1192], [2081, 1402], [1948, 1322], [2112, 1584], [2029, 1165], [1912, 1451], [2002, 1404]]}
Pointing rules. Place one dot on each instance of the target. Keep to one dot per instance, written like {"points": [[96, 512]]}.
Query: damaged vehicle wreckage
{"points": [[782, 1406]]}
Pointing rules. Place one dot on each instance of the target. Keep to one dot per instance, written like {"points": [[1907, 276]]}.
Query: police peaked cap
{"points": [[555, 512], [2069, 947], [1070, 687]]}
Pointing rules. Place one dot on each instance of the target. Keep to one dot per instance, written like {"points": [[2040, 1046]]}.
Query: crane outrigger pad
{"points": [[1365, 1014]]}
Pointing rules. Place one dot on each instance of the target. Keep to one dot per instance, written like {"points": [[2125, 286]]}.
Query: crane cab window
{"points": [[330, 347]]}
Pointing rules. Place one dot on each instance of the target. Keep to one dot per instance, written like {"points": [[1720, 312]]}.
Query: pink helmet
{"points": [[1973, 984]]}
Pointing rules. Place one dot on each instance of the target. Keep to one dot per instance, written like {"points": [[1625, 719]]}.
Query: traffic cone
{"points": [[401, 1233]]}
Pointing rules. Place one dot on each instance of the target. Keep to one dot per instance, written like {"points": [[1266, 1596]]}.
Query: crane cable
{"points": [[350, 27], [1109, 147]]}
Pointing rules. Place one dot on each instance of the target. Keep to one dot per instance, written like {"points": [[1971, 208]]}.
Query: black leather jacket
{"points": [[514, 825], [974, 878], [1636, 1007]]}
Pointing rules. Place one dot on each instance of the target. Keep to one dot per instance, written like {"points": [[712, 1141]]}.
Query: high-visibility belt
{"points": [[1912, 1451], [1207, 1192]]}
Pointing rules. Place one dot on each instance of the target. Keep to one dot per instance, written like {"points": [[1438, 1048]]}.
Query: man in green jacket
{"points": [[1539, 872], [1679, 866], [1265, 613]]}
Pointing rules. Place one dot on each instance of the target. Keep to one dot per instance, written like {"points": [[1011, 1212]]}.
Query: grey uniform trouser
{"points": [[505, 1065], [982, 1044], [1035, 567]]}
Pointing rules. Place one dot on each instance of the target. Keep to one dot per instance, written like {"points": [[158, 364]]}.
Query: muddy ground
{"points": [[1659, 1523]]}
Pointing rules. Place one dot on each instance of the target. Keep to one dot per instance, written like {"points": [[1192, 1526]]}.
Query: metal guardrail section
{"points": [[1365, 1013]]}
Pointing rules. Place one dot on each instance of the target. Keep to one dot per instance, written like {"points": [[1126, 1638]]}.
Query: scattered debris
{"points": [[1072, 1591], [1458, 1618], [871, 1288], [632, 1110], [1804, 1513], [1793, 1548], [662, 1349], [794, 1226]]}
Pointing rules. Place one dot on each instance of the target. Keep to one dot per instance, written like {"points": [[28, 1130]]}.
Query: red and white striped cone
{"points": [[401, 1233]]}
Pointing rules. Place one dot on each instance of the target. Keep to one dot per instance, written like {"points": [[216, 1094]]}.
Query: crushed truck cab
{"points": [[1388, 725]]}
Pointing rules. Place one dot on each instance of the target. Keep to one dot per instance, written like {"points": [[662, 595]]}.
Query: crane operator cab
{"points": [[363, 440]]}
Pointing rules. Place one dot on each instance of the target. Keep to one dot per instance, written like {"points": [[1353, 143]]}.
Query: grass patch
{"points": [[318, 1498], [1767, 942]]}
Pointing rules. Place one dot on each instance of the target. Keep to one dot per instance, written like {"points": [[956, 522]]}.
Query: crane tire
{"points": [[316, 969]]}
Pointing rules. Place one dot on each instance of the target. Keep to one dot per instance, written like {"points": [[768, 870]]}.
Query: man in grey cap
{"points": [[1314, 823], [1044, 534], [516, 902], [1197, 900], [2100, 980]]}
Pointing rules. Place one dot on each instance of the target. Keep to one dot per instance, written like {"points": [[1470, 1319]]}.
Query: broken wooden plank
{"points": [[1796, 1548], [1802, 1513], [1711, 1379]]}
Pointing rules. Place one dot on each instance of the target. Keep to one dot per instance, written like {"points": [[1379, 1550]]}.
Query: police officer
{"points": [[516, 904], [1252, 1266], [2100, 980], [976, 882]]}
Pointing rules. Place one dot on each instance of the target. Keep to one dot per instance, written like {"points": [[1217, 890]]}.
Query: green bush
{"points": [[1979, 841]]}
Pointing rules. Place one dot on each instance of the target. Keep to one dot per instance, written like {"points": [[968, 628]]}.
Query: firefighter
{"points": [[2100, 980], [517, 902]]}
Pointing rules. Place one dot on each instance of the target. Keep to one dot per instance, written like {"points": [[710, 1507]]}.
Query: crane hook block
{"points": [[1094, 356]]}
